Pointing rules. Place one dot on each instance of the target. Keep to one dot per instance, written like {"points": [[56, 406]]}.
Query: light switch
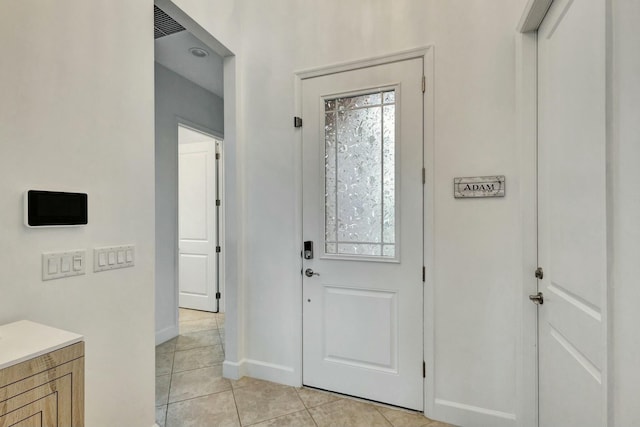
{"points": [[77, 263], [65, 264], [59, 265], [113, 257], [52, 267]]}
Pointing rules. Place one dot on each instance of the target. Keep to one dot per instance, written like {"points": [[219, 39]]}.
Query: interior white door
{"points": [[197, 225], [362, 209], [572, 215]]}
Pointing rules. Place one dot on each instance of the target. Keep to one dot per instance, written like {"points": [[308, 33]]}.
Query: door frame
{"points": [[427, 55], [220, 224], [532, 17], [527, 136], [233, 209]]}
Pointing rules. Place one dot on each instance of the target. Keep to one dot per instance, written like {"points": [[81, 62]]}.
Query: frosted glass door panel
{"points": [[360, 168]]}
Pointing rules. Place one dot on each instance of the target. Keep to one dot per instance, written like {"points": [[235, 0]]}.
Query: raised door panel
{"points": [[193, 195], [367, 338]]}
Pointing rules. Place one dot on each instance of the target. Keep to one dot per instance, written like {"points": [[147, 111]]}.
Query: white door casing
{"points": [[197, 224], [363, 314], [572, 336]]}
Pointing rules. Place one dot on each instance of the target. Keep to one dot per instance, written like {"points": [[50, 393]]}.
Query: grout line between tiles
{"points": [[166, 412], [311, 415], [199, 397], [199, 367], [173, 361], [275, 418], [233, 393], [182, 334], [383, 416]]}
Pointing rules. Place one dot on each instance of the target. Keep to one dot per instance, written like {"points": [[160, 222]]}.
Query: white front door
{"points": [[197, 221], [572, 215], [363, 210]]}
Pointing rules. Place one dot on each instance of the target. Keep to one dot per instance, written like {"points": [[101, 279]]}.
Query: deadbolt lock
{"points": [[539, 273]]}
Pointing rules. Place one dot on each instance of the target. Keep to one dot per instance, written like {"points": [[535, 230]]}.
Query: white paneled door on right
{"points": [[362, 209], [197, 221], [572, 215]]}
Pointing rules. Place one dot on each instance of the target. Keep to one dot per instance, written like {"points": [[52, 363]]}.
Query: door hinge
{"points": [[218, 249], [424, 176], [217, 295], [424, 273], [297, 122], [217, 202], [424, 84], [424, 369], [217, 156]]}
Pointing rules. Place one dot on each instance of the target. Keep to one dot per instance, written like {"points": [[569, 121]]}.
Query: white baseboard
{"points": [[166, 334], [463, 414], [232, 370], [262, 371]]}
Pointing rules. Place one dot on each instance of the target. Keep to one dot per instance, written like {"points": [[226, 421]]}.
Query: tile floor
{"points": [[190, 390]]}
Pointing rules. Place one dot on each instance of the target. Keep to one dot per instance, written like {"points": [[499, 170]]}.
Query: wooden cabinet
{"points": [[45, 391]]}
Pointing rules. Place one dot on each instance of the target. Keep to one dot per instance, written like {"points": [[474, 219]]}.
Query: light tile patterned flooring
{"points": [[190, 390]]}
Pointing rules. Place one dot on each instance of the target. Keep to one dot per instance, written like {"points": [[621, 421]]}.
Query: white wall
{"points": [[476, 305], [474, 133], [76, 113], [176, 98], [624, 173]]}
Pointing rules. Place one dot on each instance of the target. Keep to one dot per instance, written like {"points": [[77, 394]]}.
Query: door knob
{"points": [[309, 273], [537, 298]]}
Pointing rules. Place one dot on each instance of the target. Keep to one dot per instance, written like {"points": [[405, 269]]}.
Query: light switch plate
{"points": [[57, 265], [113, 257]]}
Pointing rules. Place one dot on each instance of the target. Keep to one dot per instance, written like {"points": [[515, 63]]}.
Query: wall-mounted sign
{"points": [[479, 186]]}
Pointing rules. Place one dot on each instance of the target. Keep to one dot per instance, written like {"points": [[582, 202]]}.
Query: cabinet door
{"points": [[50, 398], [40, 413], [47, 405]]}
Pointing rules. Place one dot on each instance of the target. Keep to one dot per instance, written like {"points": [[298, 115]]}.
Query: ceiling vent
{"points": [[164, 24]]}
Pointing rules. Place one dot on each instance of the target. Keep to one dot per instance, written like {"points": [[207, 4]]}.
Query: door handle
{"points": [[537, 298], [309, 273]]}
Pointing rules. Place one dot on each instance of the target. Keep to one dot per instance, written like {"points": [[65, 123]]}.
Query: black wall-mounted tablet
{"points": [[55, 209]]}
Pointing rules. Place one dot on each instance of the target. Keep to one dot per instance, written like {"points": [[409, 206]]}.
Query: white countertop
{"points": [[24, 340]]}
